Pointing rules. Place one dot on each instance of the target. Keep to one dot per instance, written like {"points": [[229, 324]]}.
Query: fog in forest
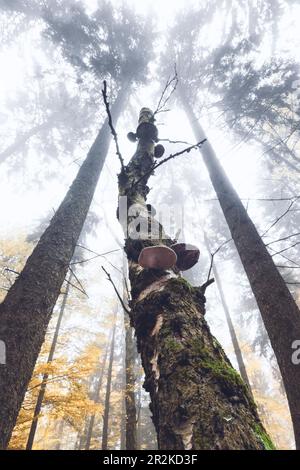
{"points": [[221, 78]]}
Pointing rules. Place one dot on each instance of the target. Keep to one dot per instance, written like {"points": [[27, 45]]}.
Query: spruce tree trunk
{"points": [[108, 390], [42, 391], [198, 400], [233, 336], [278, 309], [27, 307], [96, 398]]}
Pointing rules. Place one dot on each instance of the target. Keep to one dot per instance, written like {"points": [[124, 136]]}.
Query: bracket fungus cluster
{"points": [[157, 257], [181, 255], [187, 255], [146, 126]]}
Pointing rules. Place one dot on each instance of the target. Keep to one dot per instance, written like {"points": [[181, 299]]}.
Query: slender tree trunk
{"points": [[278, 309], [108, 389], [130, 378], [27, 307], [198, 400], [96, 398], [139, 420], [233, 336], [21, 140], [42, 391], [123, 411], [59, 434], [130, 386]]}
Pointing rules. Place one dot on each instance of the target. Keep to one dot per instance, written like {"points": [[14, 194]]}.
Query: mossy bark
{"points": [[27, 307], [198, 401]]}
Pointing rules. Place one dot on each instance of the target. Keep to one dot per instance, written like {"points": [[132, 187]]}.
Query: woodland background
{"points": [[238, 63]]}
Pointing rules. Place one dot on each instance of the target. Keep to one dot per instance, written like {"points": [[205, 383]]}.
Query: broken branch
{"points": [[113, 131]]}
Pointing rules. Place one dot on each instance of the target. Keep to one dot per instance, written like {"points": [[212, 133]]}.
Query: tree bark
{"points": [[278, 309], [233, 336], [42, 391], [198, 400], [108, 389], [27, 308]]}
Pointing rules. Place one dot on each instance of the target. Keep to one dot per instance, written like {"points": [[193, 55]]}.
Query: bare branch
{"points": [[101, 255], [12, 271], [75, 287], [80, 284], [116, 290], [286, 266], [113, 131], [284, 257], [214, 254], [283, 238], [175, 141], [285, 249], [173, 155], [275, 199], [97, 255], [206, 285], [167, 92], [295, 199]]}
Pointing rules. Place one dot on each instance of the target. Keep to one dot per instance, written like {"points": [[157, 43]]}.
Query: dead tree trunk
{"points": [[198, 400], [233, 336], [42, 391], [27, 308], [278, 309], [108, 389]]}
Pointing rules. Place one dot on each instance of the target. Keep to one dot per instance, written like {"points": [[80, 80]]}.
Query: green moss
{"points": [[177, 285], [172, 345], [263, 436], [197, 349], [222, 371], [228, 378]]}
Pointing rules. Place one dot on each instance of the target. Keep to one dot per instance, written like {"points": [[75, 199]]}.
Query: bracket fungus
{"points": [[187, 255], [159, 150], [157, 257]]}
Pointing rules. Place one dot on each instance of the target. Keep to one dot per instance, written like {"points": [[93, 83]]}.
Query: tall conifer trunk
{"points": [[233, 336], [278, 309], [27, 307], [41, 395]]}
